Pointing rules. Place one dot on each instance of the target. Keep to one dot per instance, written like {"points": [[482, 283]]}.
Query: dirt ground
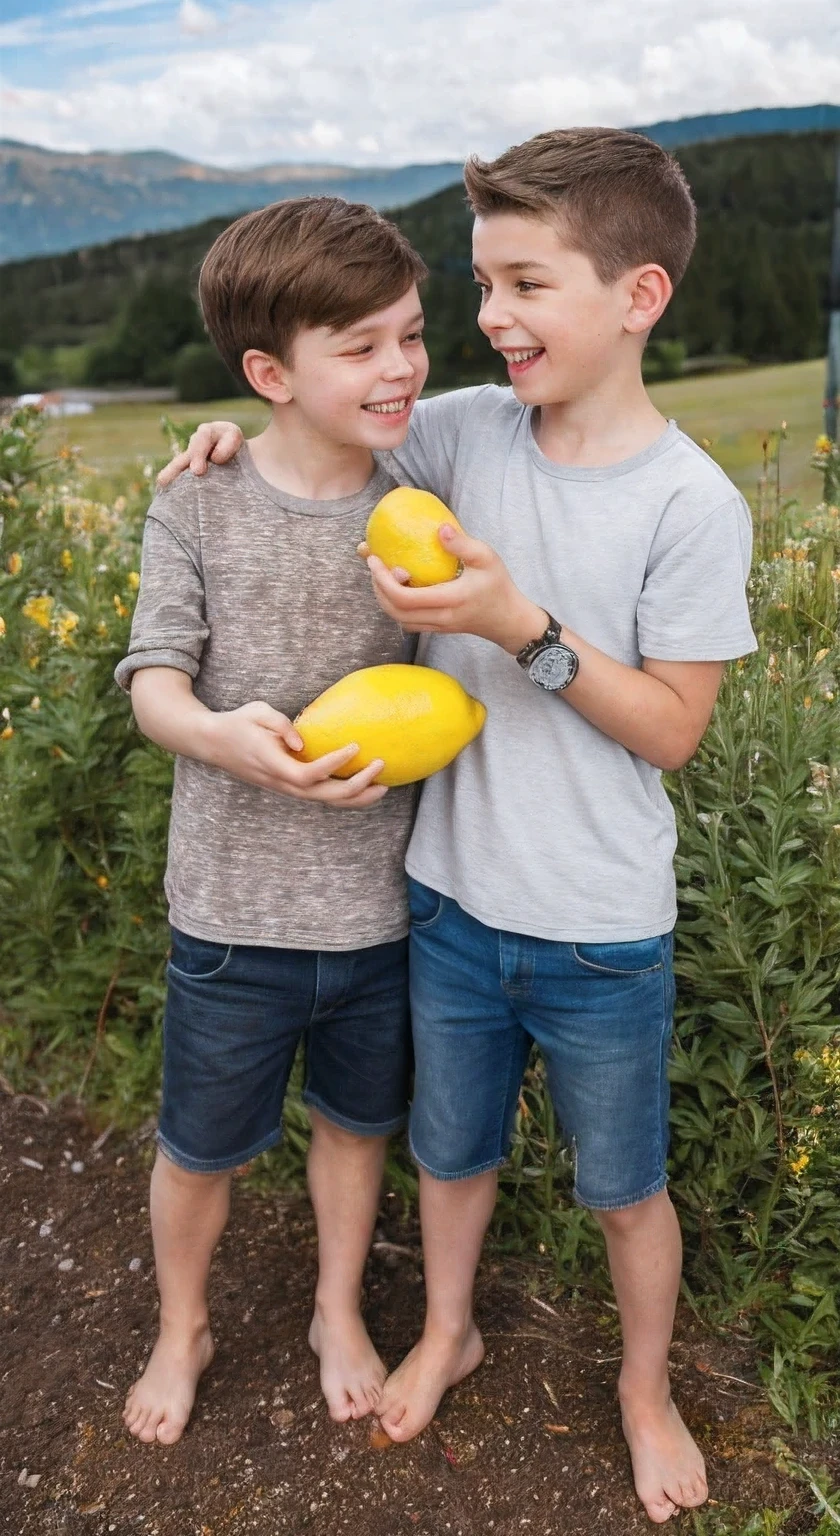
{"points": [[529, 1446]]}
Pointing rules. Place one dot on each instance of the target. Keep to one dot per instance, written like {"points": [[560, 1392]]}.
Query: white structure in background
{"points": [[54, 403]]}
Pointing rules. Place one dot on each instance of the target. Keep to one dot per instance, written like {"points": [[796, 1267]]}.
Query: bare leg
{"points": [[345, 1176], [455, 1215], [645, 1254], [189, 1212]]}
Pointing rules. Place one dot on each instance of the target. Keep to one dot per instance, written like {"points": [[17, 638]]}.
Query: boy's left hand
{"points": [[483, 600]]}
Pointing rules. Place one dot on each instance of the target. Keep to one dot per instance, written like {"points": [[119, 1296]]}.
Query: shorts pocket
{"points": [[424, 904], [199, 959], [638, 958]]}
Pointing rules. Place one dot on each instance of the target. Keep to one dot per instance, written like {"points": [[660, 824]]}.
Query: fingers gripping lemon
{"points": [[415, 718], [403, 530]]}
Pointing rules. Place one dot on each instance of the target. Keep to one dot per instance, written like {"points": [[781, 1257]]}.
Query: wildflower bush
{"points": [[756, 1069]]}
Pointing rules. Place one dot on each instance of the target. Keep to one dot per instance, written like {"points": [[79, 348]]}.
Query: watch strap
{"points": [[550, 636]]}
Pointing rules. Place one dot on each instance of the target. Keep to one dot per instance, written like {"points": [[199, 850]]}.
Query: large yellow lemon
{"points": [[415, 718], [403, 530]]}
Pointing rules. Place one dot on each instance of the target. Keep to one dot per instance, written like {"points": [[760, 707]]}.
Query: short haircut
{"points": [[305, 262], [616, 197]]}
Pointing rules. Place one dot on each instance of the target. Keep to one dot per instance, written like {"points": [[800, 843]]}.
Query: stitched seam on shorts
{"points": [[610, 970], [204, 975]]}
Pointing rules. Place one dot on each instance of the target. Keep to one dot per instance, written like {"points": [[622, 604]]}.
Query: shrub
{"points": [[199, 374]]}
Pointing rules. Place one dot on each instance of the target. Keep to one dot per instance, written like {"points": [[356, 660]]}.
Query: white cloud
{"points": [[276, 81], [194, 19]]}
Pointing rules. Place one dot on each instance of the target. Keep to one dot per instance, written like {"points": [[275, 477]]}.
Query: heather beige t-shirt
{"points": [[260, 595]]}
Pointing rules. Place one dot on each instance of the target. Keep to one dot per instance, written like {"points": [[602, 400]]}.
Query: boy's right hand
{"points": [[215, 441], [256, 742]]}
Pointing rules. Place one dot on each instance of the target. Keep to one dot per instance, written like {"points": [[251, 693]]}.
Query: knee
{"points": [[631, 1219], [340, 1140], [172, 1174]]}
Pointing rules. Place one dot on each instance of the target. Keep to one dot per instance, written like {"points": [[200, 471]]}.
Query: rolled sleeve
{"points": [[169, 628]]}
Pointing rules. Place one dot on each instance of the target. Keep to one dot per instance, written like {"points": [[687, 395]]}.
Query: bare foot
{"points": [[667, 1465], [412, 1393], [160, 1403], [352, 1374]]}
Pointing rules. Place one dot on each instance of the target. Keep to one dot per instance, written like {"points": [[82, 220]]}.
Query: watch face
{"points": [[554, 667]]}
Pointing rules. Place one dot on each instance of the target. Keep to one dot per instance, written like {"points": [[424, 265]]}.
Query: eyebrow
{"points": [[520, 266], [364, 326]]}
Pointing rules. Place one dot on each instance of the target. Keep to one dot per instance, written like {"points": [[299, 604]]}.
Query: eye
{"points": [[360, 351], [415, 336], [525, 287]]}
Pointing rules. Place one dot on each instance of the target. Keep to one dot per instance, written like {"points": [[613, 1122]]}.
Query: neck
{"points": [[610, 422], [294, 456]]}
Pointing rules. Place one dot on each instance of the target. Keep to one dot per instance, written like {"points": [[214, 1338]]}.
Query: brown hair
{"points": [[308, 261], [617, 197]]}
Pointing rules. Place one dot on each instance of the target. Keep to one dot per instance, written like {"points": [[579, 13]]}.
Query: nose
{"points": [[397, 365], [494, 315]]}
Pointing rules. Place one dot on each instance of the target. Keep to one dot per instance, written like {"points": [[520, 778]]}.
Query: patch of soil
{"points": [[528, 1446]]}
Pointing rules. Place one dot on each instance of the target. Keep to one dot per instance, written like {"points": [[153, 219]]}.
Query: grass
{"points": [[732, 412]]}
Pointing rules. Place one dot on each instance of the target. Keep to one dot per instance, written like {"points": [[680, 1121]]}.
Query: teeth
{"points": [[523, 357], [393, 408]]}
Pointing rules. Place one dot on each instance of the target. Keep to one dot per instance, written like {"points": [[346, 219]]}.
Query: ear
{"points": [[267, 375], [649, 292]]}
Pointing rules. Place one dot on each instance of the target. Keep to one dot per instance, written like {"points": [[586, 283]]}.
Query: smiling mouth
{"points": [[521, 356], [388, 407]]}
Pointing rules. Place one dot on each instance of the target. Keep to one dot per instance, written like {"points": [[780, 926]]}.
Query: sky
{"points": [[246, 82]]}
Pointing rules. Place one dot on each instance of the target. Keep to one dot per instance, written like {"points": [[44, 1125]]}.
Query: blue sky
{"points": [[240, 82]]}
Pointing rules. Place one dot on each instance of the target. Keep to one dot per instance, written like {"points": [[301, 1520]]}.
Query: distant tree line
{"points": [[756, 288]]}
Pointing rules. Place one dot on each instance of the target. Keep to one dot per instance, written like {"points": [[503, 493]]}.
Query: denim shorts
{"points": [[601, 1015], [235, 1014]]}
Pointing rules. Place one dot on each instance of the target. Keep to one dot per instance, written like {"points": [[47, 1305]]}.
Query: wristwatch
{"points": [[548, 661]]}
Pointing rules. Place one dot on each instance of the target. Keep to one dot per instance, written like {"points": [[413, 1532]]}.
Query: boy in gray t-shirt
{"points": [[611, 567], [289, 918]]}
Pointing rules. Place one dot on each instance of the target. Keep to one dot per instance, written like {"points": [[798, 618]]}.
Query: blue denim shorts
{"points": [[235, 1015], [601, 1015]]}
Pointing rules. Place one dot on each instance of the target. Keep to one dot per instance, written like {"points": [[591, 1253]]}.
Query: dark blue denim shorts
{"points": [[235, 1015], [601, 1015]]}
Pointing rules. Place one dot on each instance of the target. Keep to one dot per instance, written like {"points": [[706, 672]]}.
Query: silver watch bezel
{"points": [[554, 651]]}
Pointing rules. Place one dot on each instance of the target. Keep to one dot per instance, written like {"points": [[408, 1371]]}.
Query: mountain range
{"points": [[52, 201]]}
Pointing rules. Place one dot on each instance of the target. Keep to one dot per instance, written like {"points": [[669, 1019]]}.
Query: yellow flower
{"points": [[2, 628], [35, 702], [65, 626], [14, 564], [823, 444], [120, 504], [34, 661], [12, 501], [39, 610], [119, 605], [66, 560], [821, 655], [7, 731], [799, 1164], [133, 580], [807, 701], [102, 627], [102, 882]]}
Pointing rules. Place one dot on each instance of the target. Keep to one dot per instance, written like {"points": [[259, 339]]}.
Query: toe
{"points": [[660, 1509], [147, 1431], [170, 1430], [340, 1408]]}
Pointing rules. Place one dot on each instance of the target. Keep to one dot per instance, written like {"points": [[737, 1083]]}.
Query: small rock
{"points": [[29, 1479], [65, 1264], [281, 1418], [68, 1156], [29, 1162], [135, 1265], [77, 1167], [45, 1229]]}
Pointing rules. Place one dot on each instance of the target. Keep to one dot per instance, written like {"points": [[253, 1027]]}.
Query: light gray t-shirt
{"points": [[260, 595], [544, 825]]}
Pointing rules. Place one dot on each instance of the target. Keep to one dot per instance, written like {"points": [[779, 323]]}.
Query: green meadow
{"points": [[732, 414]]}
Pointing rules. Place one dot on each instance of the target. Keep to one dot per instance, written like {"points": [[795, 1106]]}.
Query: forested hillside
{"points": [[756, 288]]}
